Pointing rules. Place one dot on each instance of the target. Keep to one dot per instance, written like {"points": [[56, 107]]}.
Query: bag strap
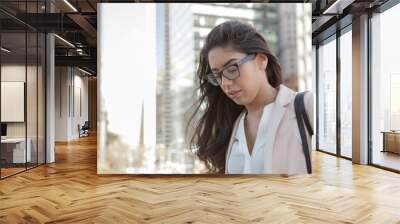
{"points": [[301, 115]]}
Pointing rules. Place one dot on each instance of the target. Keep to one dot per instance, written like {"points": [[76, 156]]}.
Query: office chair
{"points": [[84, 130]]}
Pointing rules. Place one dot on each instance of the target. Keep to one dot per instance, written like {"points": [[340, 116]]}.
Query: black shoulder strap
{"points": [[301, 115], [304, 114]]}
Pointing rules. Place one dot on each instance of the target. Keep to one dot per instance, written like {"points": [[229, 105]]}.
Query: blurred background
{"points": [[178, 35]]}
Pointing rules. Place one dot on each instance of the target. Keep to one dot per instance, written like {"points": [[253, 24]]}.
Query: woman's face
{"points": [[244, 89]]}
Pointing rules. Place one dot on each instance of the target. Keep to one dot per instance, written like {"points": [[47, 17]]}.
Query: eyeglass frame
{"points": [[218, 75]]}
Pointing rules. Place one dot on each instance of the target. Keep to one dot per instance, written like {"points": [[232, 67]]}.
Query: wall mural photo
{"points": [[204, 88]]}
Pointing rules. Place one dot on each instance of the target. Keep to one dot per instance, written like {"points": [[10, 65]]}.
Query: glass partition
{"points": [[41, 111], [385, 89], [346, 93], [22, 88], [31, 100], [327, 96], [14, 154]]}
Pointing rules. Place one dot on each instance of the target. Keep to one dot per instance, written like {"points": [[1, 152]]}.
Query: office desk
{"points": [[15, 148], [391, 141]]}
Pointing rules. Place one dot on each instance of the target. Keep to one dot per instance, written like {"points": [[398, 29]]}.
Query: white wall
{"points": [[61, 96], [16, 73], [70, 83], [33, 126], [80, 84]]}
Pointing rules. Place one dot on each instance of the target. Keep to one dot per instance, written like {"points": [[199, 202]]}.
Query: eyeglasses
{"points": [[230, 72]]}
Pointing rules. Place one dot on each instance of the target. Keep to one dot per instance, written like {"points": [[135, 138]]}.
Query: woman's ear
{"points": [[262, 60]]}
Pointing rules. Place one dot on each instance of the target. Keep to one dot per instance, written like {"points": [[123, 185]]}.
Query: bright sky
{"points": [[127, 65]]}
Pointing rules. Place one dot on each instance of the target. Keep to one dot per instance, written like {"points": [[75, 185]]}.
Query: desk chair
{"points": [[84, 130]]}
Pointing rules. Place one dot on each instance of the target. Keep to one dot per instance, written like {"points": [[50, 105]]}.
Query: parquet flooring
{"points": [[70, 191], [10, 171]]}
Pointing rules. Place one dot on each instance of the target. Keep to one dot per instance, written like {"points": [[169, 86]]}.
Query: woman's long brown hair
{"points": [[214, 128]]}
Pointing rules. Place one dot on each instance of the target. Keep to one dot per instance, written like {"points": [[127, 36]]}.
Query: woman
{"points": [[249, 123]]}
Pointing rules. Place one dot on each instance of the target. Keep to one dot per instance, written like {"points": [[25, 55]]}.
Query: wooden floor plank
{"points": [[70, 191]]}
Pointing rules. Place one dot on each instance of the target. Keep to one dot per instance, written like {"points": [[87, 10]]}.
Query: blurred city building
{"points": [[294, 31]]}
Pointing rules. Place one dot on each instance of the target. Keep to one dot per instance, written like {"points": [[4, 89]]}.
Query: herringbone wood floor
{"points": [[70, 191]]}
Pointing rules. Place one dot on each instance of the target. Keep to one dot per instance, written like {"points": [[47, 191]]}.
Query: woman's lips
{"points": [[234, 94]]}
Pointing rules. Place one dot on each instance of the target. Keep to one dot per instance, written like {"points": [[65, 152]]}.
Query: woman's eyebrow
{"points": [[226, 63]]}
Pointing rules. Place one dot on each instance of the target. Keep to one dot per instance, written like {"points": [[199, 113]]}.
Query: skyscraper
{"points": [[295, 44]]}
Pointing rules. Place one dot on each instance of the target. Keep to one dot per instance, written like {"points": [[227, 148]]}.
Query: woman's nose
{"points": [[225, 81]]}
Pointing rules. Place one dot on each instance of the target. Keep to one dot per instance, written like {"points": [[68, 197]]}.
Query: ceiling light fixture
{"points": [[5, 49], [65, 41], [71, 6], [86, 72], [337, 7]]}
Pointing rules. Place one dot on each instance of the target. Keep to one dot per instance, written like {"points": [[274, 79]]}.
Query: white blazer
{"points": [[284, 154], [240, 160]]}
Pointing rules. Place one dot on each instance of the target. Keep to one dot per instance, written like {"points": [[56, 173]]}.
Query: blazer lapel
{"points": [[281, 102]]}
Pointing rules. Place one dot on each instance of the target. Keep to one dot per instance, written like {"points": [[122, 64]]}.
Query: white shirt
{"points": [[240, 160]]}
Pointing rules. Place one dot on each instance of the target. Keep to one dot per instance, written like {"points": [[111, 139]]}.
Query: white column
{"points": [[50, 99], [360, 90], [50, 92]]}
